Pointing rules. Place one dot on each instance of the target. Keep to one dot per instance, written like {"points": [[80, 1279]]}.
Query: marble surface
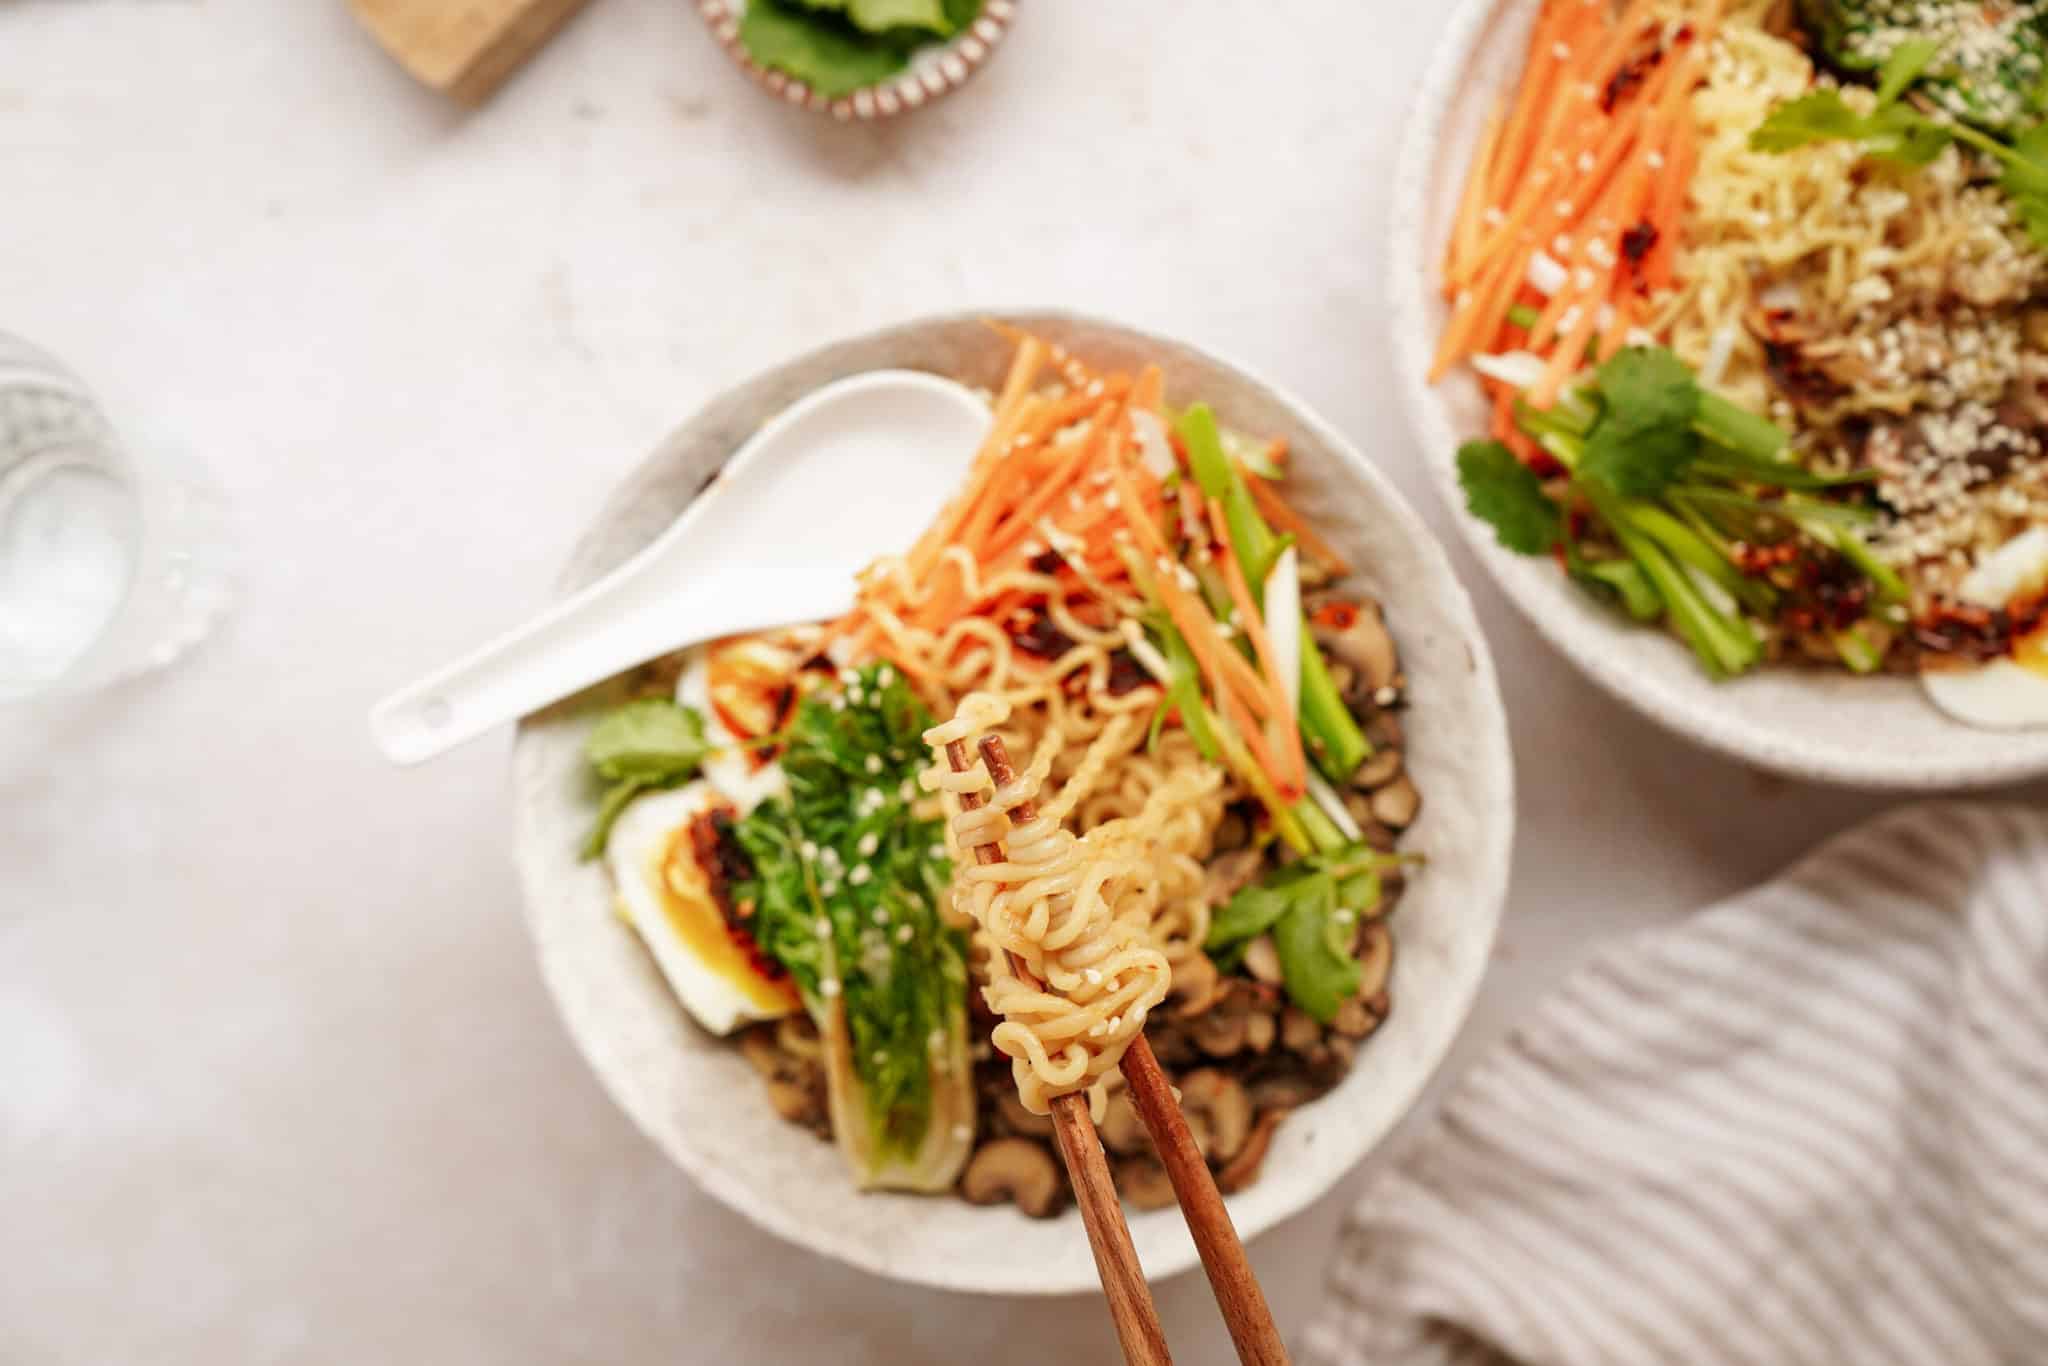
{"points": [[278, 1078]]}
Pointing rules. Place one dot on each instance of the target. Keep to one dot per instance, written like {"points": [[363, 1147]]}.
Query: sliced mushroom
{"points": [[1382, 768], [1121, 1129], [1197, 985], [793, 1101], [1262, 959], [1372, 834], [1363, 1013], [1144, 1183], [1260, 1029], [1170, 1042], [1356, 634], [1215, 1097], [1220, 1032], [1019, 1119], [1283, 1091], [1299, 1031], [1397, 803], [1243, 1169], [1383, 728], [757, 1046], [1014, 1169], [1230, 873], [1392, 885], [1375, 958]]}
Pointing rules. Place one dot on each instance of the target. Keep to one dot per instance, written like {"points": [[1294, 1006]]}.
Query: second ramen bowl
{"points": [[697, 1098], [1827, 726]]}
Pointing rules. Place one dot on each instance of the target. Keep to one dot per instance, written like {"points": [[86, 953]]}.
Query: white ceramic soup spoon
{"points": [[850, 472]]}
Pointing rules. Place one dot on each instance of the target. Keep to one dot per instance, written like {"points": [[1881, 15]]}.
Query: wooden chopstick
{"points": [[1231, 1280], [1236, 1288], [1116, 1259]]}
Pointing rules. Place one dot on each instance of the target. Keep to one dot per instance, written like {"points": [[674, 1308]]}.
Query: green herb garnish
{"points": [[1506, 494], [1644, 438], [1685, 483], [639, 747], [1311, 908], [848, 882], [1896, 132]]}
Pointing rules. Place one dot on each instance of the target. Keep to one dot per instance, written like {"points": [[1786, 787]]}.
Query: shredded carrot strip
{"points": [[1285, 731], [1019, 522], [1284, 518], [1472, 205]]}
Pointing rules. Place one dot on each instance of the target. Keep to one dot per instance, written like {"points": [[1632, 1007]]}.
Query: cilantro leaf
{"points": [[1506, 494], [824, 51], [1644, 438], [1895, 132], [1822, 116], [1904, 66], [2025, 181]]}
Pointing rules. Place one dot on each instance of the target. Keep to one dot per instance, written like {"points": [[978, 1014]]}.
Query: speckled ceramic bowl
{"points": [[934, 71], [1826, 726], [696, 1097]]}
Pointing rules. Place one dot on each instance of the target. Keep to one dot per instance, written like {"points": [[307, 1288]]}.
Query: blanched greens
{"points": [[639, 747], [1311, 908], [848, 879]]}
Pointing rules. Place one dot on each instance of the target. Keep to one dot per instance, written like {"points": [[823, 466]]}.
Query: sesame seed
{"points": [[860, 874], [868, 844]]}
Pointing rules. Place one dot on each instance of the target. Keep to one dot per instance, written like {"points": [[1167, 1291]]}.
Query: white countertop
{"points": [[278, 1080]]}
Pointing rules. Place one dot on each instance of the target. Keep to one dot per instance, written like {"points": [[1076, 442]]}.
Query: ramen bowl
{"points": [[699, 1100], [1823, 725]]}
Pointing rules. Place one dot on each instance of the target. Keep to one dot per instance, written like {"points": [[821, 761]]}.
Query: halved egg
{"points": [[2012, 693], [716, 971], [742, 689]]}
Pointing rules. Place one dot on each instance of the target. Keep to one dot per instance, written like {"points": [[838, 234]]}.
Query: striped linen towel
{"points": [[1809, 1125]]}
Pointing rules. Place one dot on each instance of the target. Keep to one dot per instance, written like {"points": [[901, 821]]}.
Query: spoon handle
{"points": [[632, 615]]}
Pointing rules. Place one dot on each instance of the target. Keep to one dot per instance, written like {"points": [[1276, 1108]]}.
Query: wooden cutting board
{"points": [[463, 48]]}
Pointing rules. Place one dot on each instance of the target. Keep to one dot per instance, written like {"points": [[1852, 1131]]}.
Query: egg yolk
{"points": [[687, 902], [2031, 652]]}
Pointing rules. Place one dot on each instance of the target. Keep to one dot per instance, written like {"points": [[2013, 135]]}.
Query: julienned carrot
{"points": [[1605, 184], [1472, 204], [1024, 515], [1541, 75], [1477, 315], [1285, 728], [1149, 393], [1554, 154], [1190, 616], [1628, 190], [1284, 519]]}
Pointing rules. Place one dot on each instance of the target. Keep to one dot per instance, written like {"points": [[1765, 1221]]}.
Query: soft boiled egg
{"points": [[2004, 694], [743, 698], [715, 970]]}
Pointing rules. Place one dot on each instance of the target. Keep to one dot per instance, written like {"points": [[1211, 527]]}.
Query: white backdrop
{"points": [[278, 1080]]}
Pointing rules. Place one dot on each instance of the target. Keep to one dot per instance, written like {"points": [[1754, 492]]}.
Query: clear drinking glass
{"points": [[109, 564]]}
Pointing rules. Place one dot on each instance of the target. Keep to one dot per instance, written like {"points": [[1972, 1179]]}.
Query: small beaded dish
{"points": [[934, 71]]}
